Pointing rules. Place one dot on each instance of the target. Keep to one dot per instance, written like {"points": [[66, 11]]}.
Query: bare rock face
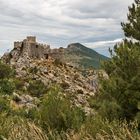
{"points": [[32, 60]]}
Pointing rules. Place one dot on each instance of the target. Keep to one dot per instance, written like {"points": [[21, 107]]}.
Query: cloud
{"points": [[101, 44], [60, 22]]}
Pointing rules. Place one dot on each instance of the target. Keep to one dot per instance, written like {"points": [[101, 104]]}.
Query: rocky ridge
{"points": [[35, 61]]}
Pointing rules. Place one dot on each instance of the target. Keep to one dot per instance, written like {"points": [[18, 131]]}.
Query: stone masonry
{"points": [[28, 48], [32, 48]]}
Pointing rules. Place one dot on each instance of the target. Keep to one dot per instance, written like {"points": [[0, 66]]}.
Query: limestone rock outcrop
{"points": [[34, 61]]}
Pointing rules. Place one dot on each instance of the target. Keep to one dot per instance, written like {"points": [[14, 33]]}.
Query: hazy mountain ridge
{"points": [[81, 55]]}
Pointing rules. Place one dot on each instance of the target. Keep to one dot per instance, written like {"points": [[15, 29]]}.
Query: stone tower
{"points": [[26, 49], [31, 39], [29, 47]]}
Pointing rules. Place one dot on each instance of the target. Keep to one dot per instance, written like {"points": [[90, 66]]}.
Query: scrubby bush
{"points": [[6, 87], [37, 88], [33, 70], [106, 107], [6, 82], [19, 83], [4, 105], [110, 110], [5, 71], [57, 113]]}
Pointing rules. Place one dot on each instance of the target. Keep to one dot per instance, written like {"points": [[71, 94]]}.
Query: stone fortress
{"points": [[30, 48]]}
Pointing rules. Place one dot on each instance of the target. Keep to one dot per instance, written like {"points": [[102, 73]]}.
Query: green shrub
{"points": [[6, 84], [6, 87], [99, 128], [110, 110], [57, 113], [19, 84], [4, 105], [33, 70], [37, 88], [5, 71], [32, 114]]}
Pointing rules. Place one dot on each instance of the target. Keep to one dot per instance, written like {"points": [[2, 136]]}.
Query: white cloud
{"points": [[60, 22], [101, 44]]}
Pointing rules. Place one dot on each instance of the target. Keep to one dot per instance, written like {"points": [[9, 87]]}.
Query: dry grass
{"points": [[26, 131], [15, 128], [114, 132], [19, 129]]}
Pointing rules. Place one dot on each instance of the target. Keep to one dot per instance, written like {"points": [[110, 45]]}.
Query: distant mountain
{"points": [[79, 55]]}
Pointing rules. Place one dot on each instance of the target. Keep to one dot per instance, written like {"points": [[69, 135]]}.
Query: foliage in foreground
{"points": [[56, 112], [15, 127], [56, 119], [120, 93]]}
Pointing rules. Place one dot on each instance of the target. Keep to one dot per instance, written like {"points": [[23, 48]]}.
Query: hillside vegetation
{"points": [[32, 110], [53, 117], [82, 56]]}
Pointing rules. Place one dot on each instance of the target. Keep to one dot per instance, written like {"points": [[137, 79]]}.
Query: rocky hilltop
{"points": [[28, 49], [75, 54], [79, 55], [35, 61]]}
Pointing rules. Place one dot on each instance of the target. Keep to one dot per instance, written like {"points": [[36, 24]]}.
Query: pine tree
{"points": [[132, 27], [123, 85], [123, 69]]}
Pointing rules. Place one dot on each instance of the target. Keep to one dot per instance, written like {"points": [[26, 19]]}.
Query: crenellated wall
{"points": [[31, 39], [17, 44], [30, 47]]}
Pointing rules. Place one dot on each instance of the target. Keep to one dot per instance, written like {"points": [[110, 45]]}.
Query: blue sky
{"points": [[93, 23]]}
